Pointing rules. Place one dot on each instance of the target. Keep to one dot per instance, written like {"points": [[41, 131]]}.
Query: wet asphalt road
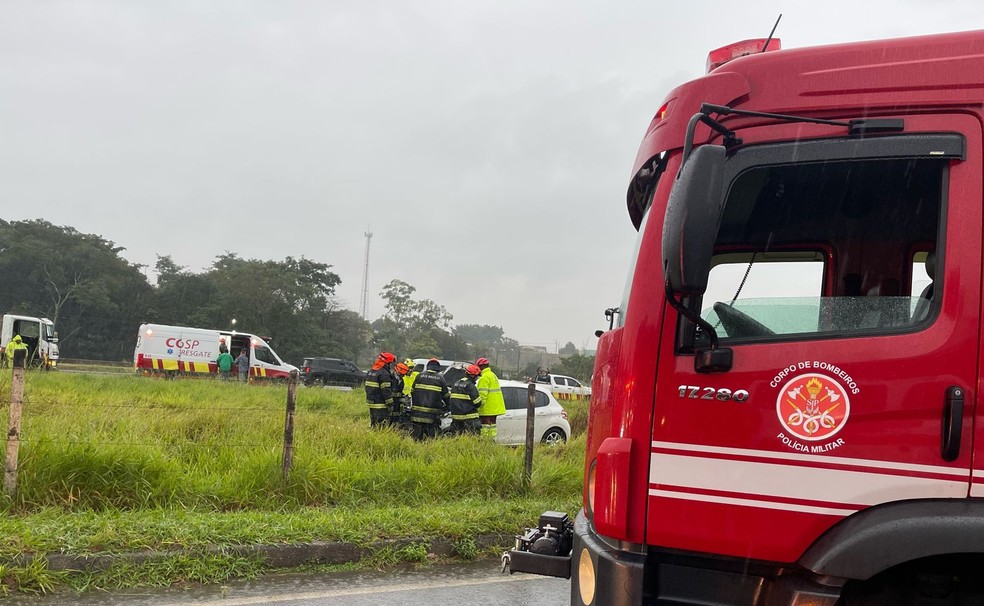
{"points": [[464, 584]]}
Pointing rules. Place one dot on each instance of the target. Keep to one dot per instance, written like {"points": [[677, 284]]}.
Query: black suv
{"points": [[331, 371]]}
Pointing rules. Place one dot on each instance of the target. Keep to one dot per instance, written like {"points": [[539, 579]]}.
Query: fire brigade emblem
{"points": [[813, 407]]}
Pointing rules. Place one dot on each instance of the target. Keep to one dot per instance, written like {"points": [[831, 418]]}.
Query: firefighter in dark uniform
{"points": [[380, 386], [396, 410], [429, 398], [465, 401]]}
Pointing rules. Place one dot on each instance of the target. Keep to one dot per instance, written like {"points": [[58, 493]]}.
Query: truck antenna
{"points": [[769, 39]]}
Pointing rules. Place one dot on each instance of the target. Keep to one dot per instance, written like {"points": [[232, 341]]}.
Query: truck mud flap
{"points": [[536, 563]]}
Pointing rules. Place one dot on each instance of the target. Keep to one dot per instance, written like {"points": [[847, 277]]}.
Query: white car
{"points": [[451, 369], [550, 424], [568, 388]]}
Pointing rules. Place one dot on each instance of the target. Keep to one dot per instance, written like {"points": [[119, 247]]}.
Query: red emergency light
{"points": [[718, 57]]}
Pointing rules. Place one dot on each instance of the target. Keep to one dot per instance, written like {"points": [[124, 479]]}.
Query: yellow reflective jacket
{"points": [[9, 350], [408, 382], [488, 387]]}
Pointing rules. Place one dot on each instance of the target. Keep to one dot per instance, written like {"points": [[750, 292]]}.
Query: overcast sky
{"points": [[486, 144]]}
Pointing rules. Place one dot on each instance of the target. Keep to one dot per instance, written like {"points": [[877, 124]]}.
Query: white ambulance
{"points": [[178, 349]]}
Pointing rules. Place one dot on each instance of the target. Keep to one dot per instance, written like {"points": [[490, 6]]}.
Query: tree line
{"points": [[98, 299]]}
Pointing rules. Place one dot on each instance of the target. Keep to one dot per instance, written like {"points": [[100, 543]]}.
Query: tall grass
{"points": [[104, 442], [116, 463]]}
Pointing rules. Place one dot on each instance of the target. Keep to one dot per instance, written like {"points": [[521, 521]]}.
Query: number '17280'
{"points": [[710, 393]]}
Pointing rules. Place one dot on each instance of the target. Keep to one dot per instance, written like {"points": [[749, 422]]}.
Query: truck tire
{"points": [[942, 581]]}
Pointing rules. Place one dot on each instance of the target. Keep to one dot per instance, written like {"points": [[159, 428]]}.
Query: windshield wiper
{"points": [[857, 126]]}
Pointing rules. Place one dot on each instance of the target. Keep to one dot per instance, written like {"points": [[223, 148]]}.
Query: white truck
{"points": [[170, 350], [39, 335], [566, 388]]}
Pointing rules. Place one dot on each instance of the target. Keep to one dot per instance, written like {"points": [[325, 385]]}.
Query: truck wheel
{"points": [[942, 581], [554, 436]]}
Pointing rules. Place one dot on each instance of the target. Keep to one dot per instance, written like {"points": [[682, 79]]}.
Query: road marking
{"points": [[337, 593]]}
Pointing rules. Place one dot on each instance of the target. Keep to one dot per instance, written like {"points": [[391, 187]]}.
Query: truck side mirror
{"points": [[693, 215]]}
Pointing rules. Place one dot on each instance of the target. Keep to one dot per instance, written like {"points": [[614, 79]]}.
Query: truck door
{"points": [[561, 388], [850, 386], [265, 363], [577, 390], [29, 330]]}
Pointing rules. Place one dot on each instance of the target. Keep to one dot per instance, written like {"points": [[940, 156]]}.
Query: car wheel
{"points": [[318, 383], [553, 436]]}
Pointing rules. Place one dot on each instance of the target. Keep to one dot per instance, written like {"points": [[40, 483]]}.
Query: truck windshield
{"points": [[265, 354], [826, 247]]}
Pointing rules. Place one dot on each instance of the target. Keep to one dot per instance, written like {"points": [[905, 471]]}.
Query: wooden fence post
{"points": [[530, 418], [13, 426], [288, 460]]}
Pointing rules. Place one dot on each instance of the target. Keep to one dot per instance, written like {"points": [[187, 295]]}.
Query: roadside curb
{"points": [[272, 556]]}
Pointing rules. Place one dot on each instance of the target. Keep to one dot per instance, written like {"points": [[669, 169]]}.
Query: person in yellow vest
{"points": [[15, 343], [493, 404], [410, 377]]}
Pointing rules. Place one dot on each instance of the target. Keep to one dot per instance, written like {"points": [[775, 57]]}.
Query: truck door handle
{"points": [[952, 423]]}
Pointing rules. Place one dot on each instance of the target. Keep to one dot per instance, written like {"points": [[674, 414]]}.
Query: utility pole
{"points": [[287, 461], [364, 302], [14, 424]]}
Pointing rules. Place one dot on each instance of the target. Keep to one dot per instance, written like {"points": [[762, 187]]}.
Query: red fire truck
{"points": [[784, 410]]}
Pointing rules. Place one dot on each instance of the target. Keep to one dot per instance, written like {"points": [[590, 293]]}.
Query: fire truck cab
{"points": [[785, 410]]}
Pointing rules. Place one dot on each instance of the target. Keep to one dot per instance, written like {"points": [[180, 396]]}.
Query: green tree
{"points": [[346, 335], [450, 346], [480, 335], [95, 297], [183, 298], [577, 366], [292, 302], [568, 350], [482, 339], [411, 327]]}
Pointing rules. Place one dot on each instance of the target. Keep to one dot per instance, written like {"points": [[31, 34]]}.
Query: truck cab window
{"points": [[825, 247], [26, 329], [263, 354]]}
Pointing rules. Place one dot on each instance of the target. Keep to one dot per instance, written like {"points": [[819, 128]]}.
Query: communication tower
{"points": [[363, 303]]}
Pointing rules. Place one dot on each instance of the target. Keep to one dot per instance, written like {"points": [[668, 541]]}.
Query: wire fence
{"points": [[94, 366], [102, 419]]}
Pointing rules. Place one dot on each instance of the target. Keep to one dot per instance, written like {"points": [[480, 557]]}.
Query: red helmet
{"points": [[402, 368], [482, 362], [387, 358], [473, 370]]}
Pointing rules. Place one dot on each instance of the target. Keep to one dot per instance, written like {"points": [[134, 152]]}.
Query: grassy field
{"points": [[120, 463]]}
